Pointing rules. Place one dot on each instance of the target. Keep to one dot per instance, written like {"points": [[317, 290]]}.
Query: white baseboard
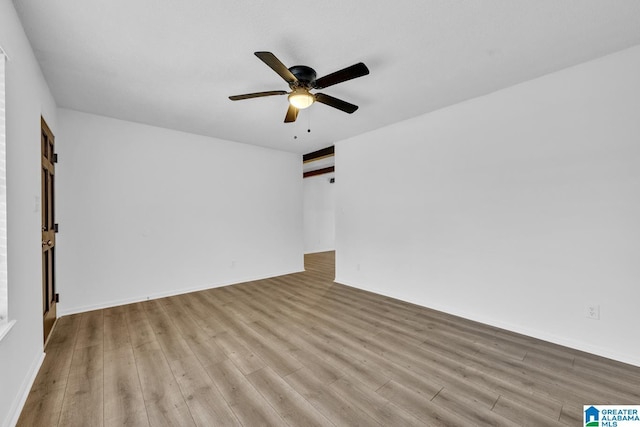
{"points": [[5, 328], [18, 404], [631, 359], [317, 251], [65, 311]]}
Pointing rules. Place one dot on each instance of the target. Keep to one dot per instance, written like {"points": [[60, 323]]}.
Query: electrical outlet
{"points": [[593, 312]]}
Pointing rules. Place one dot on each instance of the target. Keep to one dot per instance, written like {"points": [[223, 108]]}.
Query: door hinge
{"points": [[55, 228], [55, 157], [57, 298]]}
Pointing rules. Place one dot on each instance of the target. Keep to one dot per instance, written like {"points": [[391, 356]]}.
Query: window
{"points": [[4, 303]]}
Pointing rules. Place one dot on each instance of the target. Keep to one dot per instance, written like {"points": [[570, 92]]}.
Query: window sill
{"points": [[5, 328]]}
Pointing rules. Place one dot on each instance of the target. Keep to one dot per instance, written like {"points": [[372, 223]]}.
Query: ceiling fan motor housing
{"points": [[304, 74]]}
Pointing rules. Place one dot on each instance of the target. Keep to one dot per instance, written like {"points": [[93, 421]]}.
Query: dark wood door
{"points": [[48, 230]]}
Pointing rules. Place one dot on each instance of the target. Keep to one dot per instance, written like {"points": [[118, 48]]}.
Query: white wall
{"points": [[517, 209], [319, 203], [147, 212], [27, 98]]}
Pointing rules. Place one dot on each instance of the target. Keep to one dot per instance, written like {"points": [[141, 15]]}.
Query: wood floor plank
{"points": [[604, 366], [42, 405], [197, 338], [352, 347], [54, 371], [116, 333], [535, 399], [123, 399], [571, 415], [244, 359], [420, 405], [245, 401], [173, 344], [200, 312], [626, 377], [217, 315], [507, 377], [258, 309], [367, 374], [45, 398], [523, 415], [468, 408], [66, 329], [339, 411], [321, 345], [269, 351], [183, 320], [379, 408], [540, 358], [324, 371], [241, 312], [282, 339], [91, 330], [221, 295], [207, 351], [569, 386], [138, 326], [84, 398], [206, 403], [289, 404], [440, 369], [163, 399]]}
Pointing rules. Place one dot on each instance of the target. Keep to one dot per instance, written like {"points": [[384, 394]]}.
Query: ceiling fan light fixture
{"points": [[301, 98], [301, 79]]}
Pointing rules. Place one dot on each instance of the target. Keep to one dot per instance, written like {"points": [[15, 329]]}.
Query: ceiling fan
{"points": [[301, 80]]}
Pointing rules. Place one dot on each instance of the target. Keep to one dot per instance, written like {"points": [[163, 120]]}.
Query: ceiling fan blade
{"points": [[277, 66], [257, 95], [292, 114], [356, 70], [336, 103]]}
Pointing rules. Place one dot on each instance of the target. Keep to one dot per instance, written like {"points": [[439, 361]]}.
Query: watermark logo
{"points": [[592, 417], [611, 415]]}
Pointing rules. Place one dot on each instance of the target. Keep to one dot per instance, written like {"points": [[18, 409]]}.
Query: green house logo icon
{"points": [[592, 417]]}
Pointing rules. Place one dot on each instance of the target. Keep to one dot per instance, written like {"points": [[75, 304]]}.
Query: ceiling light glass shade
{"points": [[301, 99]]}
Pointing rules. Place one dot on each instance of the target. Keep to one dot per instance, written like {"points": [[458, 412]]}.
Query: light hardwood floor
{"points": [[301, 350]]}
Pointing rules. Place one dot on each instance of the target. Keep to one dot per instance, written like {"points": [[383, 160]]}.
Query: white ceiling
{"points": [[173, 63]]}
